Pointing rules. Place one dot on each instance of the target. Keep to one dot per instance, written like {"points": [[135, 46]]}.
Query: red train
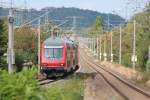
{"points": [[58, 55]]}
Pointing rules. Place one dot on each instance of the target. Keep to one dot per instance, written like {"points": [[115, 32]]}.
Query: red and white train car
{"points": [[58, 55]]}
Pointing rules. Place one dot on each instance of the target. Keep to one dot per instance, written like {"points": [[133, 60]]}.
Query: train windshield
{"points": [[53, 53]]}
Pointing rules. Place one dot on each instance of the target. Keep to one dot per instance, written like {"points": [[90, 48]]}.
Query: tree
{"points": [[97, 27], [3, 42], [25, 45], [142, 39]]}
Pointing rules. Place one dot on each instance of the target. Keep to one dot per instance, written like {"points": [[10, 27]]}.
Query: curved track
{"points": [[46, 81], [55, 79], [126, 89]]}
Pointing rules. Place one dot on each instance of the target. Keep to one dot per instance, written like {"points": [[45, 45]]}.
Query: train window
{"points": [[53, 53]]}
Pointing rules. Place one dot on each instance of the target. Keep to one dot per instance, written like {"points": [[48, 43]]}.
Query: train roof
{"points": [[57, 41]]}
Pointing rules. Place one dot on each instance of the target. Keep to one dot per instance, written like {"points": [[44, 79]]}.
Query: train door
{"points": [[76, 51], [68, 56], [71, 56], [74, 56]]}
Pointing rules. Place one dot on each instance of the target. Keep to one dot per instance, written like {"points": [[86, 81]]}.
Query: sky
{"points": [[122, 7]]}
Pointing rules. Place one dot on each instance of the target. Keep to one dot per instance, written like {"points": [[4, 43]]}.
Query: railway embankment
{"points": [[136, 77]]}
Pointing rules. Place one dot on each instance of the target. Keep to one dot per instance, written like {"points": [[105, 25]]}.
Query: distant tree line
{"points": [[142, 39]]}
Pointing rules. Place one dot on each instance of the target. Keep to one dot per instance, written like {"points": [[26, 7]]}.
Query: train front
{"points": [[53, 56]]}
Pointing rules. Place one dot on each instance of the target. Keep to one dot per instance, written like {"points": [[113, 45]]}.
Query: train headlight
{"points": [[62, 64]]}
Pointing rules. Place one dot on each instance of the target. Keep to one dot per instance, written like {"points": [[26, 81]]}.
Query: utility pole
{"points": [[10, 52], [94, 40], [105, 54], [39, 43], [100, 48], [91, 46], [111, 52], [88, 43], [97, 50], [134, 57], [108, 28], [120, 47]]}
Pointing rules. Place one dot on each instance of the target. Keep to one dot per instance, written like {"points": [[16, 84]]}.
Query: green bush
{"points": [[19, 86], [3, 62], [23, 86], [126, 59]]}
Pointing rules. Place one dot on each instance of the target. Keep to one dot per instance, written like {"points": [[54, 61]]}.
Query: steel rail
{"points": [[129, 84], [107, 81]]}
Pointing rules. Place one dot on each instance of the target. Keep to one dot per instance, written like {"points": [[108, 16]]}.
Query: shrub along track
{"points": [[126, 89]]}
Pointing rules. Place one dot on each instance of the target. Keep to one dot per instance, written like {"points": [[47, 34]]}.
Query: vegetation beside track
{"points": [[3, 42], [70, 89], [142, 40], [24, 86]]}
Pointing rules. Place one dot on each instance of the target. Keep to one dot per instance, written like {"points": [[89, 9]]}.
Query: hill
{"points": [[87, 17]]}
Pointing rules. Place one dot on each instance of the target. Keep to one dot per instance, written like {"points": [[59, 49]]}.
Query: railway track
{"points": [[124, 88], [102, 82], [46, 81], [107, 81], [52, 80]]}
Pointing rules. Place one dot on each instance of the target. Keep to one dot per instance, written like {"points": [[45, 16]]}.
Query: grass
{"points": [[70, 89]]}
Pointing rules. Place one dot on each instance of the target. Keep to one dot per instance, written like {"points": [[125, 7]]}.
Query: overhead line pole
{"points": [[94, 46], [120, 46], [39, 43], [134, 57], [97, 51], [10, 51], [100, 48], [108, 29], [105, 54], [111, 52]]}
